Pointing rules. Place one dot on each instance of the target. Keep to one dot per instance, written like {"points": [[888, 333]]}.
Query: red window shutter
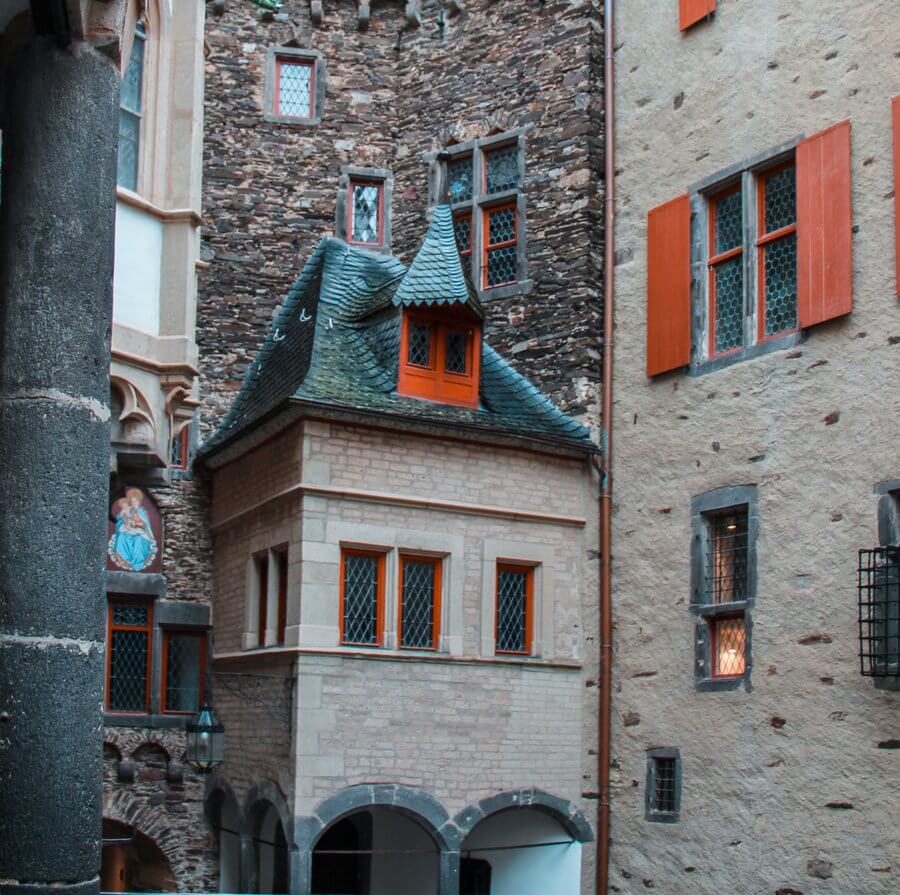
{"points": [[896, 116], [693, 11], [669, 286], [824, 268]]}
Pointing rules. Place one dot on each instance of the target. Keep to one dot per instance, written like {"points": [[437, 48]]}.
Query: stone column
{"points": [[56, 257]]}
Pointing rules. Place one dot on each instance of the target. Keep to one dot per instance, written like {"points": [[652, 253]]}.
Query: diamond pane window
{"points": [[501, 248], [777, 246], [294, 88], [180, 449], [459, 179], [362, 597], [727, 646], [462, 230], [184, 662], [128, 658], [418, 349], [727, 572], [365, 213], [130, 104], [502, 169], [514, 597], [457, 351], [664, 788], [419, 603]]}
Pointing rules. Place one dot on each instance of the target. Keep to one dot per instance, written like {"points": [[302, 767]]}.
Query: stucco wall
{"points": [[756, 790]]}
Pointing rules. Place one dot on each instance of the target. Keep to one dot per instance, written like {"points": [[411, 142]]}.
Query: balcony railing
{"points": [[879, 612]]}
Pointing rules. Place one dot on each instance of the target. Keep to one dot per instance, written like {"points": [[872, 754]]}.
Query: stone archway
{"points": [[267, 856], [132, 861], [223, 814]]}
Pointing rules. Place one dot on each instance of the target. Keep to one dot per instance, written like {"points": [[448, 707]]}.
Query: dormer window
{"points": [[439, 356]]}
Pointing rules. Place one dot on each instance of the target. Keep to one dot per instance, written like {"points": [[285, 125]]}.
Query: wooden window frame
{"points": [[280, 61], [380, 557], [509, 566], [436, 383], [763, 239], [112, 602], [164, 677], [352, 184], [261, 573], [283, 568], [437, 563], [714, 260], [182, 443], [488, 246], [141, 33]]}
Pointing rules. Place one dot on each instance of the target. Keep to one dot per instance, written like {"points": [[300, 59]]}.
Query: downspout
{"points": [[606, 444]]}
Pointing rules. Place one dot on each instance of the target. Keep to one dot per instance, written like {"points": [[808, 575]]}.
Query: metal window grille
{"points": [[456, 355], [459, 179], [295, 89], [360, 599], [184, 661], [502, 169], [879, 612], [512, 611], [418, 350], [726, 568], [130, 100], [728, 643], [365, 226], [418, 605], [664, 785]]}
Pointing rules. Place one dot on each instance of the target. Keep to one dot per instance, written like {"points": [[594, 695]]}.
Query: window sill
{"points": [[159, 721], [292, 122], [661, 818], [717, 684], [715, 610], [768, 347], [523, 287]]}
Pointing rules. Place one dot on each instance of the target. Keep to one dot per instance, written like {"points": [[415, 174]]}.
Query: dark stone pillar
{"points": [[56, 257]]}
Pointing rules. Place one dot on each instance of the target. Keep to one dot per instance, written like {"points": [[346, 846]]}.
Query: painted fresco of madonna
{"points": [[133, 545]]}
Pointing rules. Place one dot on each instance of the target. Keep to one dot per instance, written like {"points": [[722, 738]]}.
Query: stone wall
{"points": [[785, 788]]}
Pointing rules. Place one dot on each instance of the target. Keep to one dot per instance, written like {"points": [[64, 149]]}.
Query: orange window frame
{"points": [[261, 568], [379, 558], [714, 647], [529, 607], [145, 628], [281, 62], [379, 184], [763, 240], [461, 216], [435, 382], [437, 565], [713, 262], [180, 447], [505, 243], [164, 683], [281, 558]]}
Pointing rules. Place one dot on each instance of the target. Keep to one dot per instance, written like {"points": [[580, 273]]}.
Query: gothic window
{"points": [[130, 109]]}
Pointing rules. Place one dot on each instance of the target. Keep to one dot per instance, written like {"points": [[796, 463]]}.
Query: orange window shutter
{"points": [[669, 286], [692, 11], [824, 220], [895, 104]]}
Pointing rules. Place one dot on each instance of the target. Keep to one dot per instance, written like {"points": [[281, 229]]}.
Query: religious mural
{"points": [[135, 533]]}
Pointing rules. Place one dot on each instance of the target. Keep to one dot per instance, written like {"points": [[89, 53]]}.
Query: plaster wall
{"points": [[785, 788], [136, 278]]}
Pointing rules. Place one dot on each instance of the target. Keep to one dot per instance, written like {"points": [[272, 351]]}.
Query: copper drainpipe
{"points": [[606, 629]]}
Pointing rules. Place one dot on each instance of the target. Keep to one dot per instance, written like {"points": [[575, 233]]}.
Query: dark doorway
{"points": [[343, 874], [474, 877]]}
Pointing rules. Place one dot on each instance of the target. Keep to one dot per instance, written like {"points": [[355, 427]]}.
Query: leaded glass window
{"points": [[361, 598], [728, 646], [418, 349], [184, 667], [778, 245], [462, 230], [128, 657], [365, 212], [501, 170], [514, 587], [459, 179], [130, 105], [294, 88], [456, 356], [419, 603], [727, 272], [501, 249]]}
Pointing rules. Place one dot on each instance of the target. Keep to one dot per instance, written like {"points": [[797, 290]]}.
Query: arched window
{"points": [[130, 107]]}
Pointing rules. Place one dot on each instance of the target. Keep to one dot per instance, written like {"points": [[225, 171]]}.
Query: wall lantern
{"points": [[205, 740]]}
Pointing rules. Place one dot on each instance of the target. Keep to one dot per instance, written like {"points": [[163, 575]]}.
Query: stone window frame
{"points": [[272, 546], [651, 814], [178, 615], [481, 202], [355, 173], [747, 173], [703, 507], [540, 557], [317, 101]]}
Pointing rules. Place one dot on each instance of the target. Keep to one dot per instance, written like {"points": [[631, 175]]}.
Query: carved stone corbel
{"points": [[316, 11]]}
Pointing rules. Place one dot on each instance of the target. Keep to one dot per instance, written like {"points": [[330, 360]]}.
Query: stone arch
{"points": [[260, 798], [111, 751], [119, 805], [149, 750], [260, 794], [223, 814], [564, 812]]}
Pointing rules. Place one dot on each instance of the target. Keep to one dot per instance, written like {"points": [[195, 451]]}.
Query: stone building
{"points": [[756, 430]]}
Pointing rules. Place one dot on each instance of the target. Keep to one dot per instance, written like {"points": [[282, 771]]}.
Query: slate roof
{"points": [[336, 341]]}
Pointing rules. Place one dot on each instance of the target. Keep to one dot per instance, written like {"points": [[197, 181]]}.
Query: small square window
{"points": [[663, 785], [418, 350], [515, 599], [294, 88], [420, 602], [184, 669], [456, 356], [727, 646], [362, 597], [366, 212]]}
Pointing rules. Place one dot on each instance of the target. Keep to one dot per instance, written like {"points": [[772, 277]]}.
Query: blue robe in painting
{"points": [[134, 544]]}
